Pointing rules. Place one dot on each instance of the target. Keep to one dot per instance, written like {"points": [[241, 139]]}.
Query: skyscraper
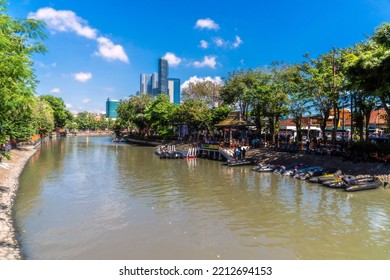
{"points": [[162, 76], [154, 84], [145, 84], [174, 90], [111, 106]]}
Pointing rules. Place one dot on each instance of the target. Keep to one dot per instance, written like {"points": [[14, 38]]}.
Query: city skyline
{"points": [[99, 51]]}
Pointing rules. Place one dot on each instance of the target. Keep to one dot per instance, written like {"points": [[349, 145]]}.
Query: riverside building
{"points": [[111, 106]]}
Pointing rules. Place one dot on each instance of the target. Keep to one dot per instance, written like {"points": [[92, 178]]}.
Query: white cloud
{"points": [[237, 42], [203, 44], [220, 42], [68, 105], [55, 90], [110, 51], [86, 100], [206, 23], [172, 59], [83, 76], [208, 61], [195, 79], [64, 21], [68, 21]]}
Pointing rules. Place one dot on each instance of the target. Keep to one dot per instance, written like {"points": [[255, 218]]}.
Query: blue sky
{"points": [[98, 49]]}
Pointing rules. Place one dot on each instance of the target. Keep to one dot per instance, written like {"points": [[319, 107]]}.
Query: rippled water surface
{"points": [[87, 198]]}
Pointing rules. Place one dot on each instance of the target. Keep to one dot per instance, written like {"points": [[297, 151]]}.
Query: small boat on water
{"points": [[117, 139], [264, 168], [239, 162], [283, 168], [171, 155], [301, 174], [340, 182], [367, 183], [326, 177]]}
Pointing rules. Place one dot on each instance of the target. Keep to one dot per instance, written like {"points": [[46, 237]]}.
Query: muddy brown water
{"points": [[89, 198]]}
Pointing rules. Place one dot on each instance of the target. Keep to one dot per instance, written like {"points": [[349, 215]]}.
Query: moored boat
{"points": [[239, 162], [367, 183], [326, 177], [264, 168]]}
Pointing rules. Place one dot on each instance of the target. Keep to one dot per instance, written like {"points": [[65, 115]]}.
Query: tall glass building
{"points": [[162, 76], [111, 106], [154, 84], [174, 90], [145, 84]]}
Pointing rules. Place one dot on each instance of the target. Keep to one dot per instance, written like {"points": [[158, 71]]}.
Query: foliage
{"points": [[159, 114], [61, 115], [19, 40], [369, 66], [43, 116], [326, 82], [86, 121], [220, 113], [132, 111], [204, 90]]}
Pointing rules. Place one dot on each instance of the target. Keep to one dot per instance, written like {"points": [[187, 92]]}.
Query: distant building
{"points": [[163, 73], [174, 90], [111, 106], [154, 82], [148, 84], [145, 84]]}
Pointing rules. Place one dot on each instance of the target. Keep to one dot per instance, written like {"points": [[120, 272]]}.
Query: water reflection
{"points": [[86, 198]]}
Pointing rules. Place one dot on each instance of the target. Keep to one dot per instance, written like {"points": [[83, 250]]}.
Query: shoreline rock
{"points": [[9, 183]]}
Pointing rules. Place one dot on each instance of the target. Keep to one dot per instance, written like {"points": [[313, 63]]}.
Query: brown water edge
{"points": [[9, 183]]}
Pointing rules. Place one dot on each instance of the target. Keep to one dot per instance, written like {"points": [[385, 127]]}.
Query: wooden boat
{"points": [[368, 183]]}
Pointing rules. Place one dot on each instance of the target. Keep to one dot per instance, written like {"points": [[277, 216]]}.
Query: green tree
{"points": [[275, 102], [132, 112], [219, 113], [238, 90], [19, 40], [203, 90], [195, 113], [86, 121], [61, 114], [43, 117], [159, 114], [368, 66], [298, 103], [326, 83]]}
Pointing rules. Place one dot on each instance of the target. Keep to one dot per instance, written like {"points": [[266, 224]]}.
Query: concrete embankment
{"points": [[9, 182]]}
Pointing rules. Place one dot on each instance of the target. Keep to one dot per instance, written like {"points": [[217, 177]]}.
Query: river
{"points": [[89, 198]]}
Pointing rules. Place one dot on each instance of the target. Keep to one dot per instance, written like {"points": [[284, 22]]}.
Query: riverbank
{"points": [[266, 156], [9, 182]]}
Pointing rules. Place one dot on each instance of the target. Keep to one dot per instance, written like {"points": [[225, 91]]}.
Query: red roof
{"points": [[378, 117]]}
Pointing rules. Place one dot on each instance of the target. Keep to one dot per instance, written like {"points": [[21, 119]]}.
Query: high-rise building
{"points": [[163, 76], [111, 106], [174, 90], [145, 84], [154, 84]]}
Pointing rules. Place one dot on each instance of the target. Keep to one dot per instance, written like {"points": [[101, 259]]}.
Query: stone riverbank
{"points": [[9, 182]]}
